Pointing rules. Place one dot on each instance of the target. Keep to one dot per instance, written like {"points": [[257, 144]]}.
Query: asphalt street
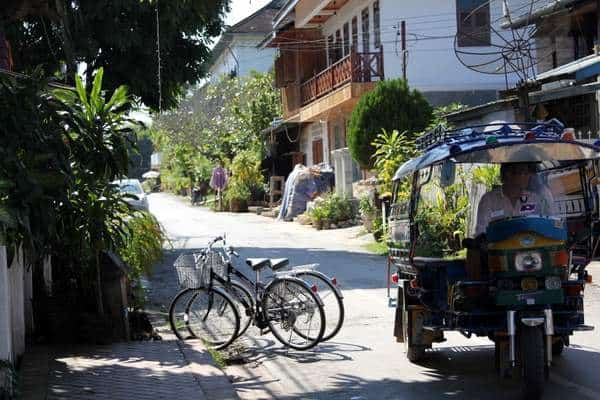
{"points": [[363, 361]]}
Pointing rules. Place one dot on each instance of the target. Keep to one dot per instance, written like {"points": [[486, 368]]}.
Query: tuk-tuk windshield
{"points": [[459, 201]]}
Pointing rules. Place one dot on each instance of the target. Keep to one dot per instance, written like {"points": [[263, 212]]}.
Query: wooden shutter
{"points": [[317, 150]]}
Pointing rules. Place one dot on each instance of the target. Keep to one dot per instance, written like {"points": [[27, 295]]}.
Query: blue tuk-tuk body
{"points": [[523, 285]]}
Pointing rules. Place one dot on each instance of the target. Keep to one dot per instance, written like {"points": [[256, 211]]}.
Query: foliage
{"points": [[35, 171], [246, 176], [122, 35], [332, 208], [9, 388], [439, 116], [237, 191], [366, 206], [442, 219], [99, 133], [488, 175], [380, 248], [391, 150], [142, 248], [391, 105], [223, 118]]}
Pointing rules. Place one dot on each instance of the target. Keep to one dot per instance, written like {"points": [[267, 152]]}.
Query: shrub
{"points": [[333, 208], [142, 248], [391, 106]]}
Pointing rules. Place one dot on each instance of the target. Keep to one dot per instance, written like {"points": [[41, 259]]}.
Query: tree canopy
{"points": [[117, 35], [390, 106]]}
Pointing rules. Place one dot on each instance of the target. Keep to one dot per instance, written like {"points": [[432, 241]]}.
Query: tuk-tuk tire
{"points": [[414, 354], [532, 362], [558, 347]]}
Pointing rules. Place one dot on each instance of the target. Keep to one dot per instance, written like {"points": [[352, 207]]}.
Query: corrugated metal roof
{"points": [[575, 67]]}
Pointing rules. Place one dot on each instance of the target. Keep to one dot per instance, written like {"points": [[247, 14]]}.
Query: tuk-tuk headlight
{"points": [[553, 282], [528, 261]]}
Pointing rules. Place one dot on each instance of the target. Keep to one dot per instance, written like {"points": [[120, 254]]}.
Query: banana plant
{"points": [[99, 132]]}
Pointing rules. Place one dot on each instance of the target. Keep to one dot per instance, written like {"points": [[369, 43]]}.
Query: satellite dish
{"points": [[509, 47]]}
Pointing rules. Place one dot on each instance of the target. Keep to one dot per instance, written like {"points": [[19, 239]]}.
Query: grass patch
{"points": [[219, 358], [379, 248]]}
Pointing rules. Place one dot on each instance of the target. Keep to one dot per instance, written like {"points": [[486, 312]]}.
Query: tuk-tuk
{"points": [[491, 229]]}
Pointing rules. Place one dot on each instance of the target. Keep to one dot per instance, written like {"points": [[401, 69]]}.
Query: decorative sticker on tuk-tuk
{"points": [[527, 207], [527, 241]]}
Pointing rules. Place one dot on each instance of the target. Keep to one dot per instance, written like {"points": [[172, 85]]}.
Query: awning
{"points": [[546, 10], [582, 68]]}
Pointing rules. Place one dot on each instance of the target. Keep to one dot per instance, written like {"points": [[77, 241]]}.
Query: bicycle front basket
{"points": [[191, 274], [214, 261]]}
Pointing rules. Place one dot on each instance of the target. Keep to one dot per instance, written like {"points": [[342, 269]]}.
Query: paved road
{"points": [[363, 361]]}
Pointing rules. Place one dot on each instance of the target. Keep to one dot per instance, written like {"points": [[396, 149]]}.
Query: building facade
{"points": [[331, 52], [236, 53]]}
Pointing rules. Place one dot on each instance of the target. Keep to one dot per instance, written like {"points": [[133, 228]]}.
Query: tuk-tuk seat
{"points": [[453, 269]]}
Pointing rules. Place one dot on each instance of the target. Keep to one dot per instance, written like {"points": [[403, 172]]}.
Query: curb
{"points": [[213, 381]]}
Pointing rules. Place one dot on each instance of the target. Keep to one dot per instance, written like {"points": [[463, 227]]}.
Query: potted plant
{"points": [[237, 195], [316, 217], [367, 212]]}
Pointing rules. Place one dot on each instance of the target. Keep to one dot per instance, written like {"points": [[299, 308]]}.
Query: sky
{"points": [[240, 9]]}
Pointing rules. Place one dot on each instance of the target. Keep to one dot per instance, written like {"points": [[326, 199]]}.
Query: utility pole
{"points": [[403, 36]]}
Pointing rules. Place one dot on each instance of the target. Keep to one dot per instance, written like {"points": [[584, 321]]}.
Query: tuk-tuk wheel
{"points": [[558, 347], [415, 353], [533, 364]]}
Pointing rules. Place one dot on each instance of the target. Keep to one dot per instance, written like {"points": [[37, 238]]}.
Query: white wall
{"points": [[6, 334], [432, 64], [248, 56]]}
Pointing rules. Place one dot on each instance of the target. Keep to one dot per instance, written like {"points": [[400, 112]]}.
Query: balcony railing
{"points": [[355, 67]]}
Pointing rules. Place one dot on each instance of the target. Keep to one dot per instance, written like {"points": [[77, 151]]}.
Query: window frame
{"points": [[467, 31]]}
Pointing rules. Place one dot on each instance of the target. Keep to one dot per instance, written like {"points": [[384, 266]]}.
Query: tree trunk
{"points": [[99, 300], [4, 52]]}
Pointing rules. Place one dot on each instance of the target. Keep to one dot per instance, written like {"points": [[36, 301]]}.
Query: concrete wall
{"points": [[248, 57], [432, 65], [314, 131], [16, 311]]}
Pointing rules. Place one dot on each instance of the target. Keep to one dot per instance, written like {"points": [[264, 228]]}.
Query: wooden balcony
{"points": [[354, 68]]}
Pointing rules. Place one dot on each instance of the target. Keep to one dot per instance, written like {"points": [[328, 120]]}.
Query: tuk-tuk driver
{"points": [[519, 195]]}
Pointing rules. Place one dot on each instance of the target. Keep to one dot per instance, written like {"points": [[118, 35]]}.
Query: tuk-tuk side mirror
{"points": [[448, 174]]}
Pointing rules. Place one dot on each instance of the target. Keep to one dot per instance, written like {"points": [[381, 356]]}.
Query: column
{"points": [[6, 345]]}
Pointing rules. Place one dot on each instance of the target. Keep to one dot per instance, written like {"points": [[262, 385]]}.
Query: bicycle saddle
{"points": [[278, 263], [258, 263]]}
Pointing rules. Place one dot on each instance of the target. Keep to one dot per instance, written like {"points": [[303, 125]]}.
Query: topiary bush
{"points": [[391, 105]]}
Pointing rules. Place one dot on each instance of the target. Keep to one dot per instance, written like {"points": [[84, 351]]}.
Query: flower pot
{"points": [[237, 205]]}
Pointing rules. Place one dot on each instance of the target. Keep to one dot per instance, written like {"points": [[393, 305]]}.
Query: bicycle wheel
{"points": [[178, 316], [333, 301], [244, 301], [213, 317], [294, 313]]}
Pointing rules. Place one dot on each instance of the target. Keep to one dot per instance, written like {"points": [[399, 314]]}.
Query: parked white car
{"points": [[139, 201]]}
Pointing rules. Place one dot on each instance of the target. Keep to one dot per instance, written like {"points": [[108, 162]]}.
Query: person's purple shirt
{"points": [[218, 181]]}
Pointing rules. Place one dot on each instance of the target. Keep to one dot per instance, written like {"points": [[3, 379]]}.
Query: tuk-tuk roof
{"points": [[498, 143]]}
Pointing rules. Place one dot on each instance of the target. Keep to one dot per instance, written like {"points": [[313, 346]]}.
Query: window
{"points": [[355, 33], [473, 23], [330, 50], [365, 30], [376, 25], [346, 38], [338, 45]]}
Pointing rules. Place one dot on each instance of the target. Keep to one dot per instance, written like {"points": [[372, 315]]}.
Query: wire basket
{"points": [[193, 269], [191, 272], [213, 260]]}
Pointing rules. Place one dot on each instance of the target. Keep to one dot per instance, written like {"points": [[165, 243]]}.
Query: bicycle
{"points": [[326, 287], [285, 304]]}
